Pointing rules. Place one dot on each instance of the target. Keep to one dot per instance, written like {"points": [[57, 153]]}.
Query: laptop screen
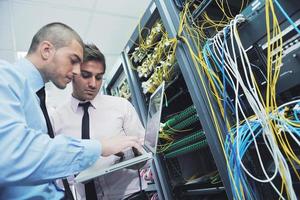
{"points": [[153, 119]]}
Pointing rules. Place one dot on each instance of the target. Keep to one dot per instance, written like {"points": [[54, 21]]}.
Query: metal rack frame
{"points": [[170, 18]]}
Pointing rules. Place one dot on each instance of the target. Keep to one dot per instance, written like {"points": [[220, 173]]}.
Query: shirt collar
{"points": [[75, 102], [33, 76]]}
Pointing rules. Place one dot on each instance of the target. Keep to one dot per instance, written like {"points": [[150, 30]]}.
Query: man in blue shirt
{"points": [[30, 160]]}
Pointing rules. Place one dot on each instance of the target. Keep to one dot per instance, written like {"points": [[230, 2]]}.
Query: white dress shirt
{"points": [[109, 116]]}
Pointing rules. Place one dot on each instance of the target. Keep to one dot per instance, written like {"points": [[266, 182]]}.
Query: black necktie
{"points": [[90, 190], [42, 96]]}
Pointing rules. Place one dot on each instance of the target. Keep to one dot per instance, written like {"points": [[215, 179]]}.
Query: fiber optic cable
{"points": [[287, 16], [256, 94]]}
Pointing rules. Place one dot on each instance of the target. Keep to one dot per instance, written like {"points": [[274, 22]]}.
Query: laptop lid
{"points": [[153, 118]]}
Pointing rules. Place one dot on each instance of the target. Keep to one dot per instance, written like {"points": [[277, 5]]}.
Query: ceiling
{"points": [[107, 23]]}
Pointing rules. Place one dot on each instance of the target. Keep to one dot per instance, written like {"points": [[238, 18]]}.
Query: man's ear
{"points": [[47, 50]]}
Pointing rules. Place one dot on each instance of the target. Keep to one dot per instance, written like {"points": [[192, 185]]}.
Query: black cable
{"points": [[140, 180]]}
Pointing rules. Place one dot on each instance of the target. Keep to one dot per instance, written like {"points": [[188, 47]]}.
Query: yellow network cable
{"points": [[147, 44], [272, 79], [221, 6], [161, 64], [196, 62], [271, 106]]}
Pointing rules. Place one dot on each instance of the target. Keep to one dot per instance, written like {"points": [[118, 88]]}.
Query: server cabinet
{"points": [[269, 35], [185, 162]]}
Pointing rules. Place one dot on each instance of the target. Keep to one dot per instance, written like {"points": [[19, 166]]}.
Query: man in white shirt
{"points": [[108, 116]]}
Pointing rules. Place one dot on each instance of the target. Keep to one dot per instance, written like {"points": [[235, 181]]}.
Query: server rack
{"points": [[117, 77], [253, 34], [174, 166], [160, 177], [170, 15], [118, 83]]}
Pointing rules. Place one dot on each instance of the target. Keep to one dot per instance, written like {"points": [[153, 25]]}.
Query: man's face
{"points": [[87, 85], [65, 63]]}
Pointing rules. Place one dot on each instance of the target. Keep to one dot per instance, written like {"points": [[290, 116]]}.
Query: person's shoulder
{"points": [[8, 68], [10, 73], [64, 105], [62, 110], [4, 63], [105, 97], [113, 100]]}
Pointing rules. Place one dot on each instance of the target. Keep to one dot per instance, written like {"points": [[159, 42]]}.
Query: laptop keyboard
{"points": [[127, 155]]}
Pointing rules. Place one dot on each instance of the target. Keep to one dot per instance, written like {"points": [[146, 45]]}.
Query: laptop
{"points": [[150, 141]]}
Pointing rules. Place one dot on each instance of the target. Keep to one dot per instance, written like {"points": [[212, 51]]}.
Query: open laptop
{"points": [[150, 142]]}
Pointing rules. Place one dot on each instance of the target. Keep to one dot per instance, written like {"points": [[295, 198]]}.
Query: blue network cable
{"points": [[225, 97], [296, 116], [246, 140], [207, 51], [295, 130], [287, 16]]}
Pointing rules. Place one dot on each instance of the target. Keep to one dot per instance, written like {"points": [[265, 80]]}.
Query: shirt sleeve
{"points": [[132, 124], [30, 157]]}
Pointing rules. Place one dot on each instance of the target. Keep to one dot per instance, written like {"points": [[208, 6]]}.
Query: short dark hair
{"points": [[92, 53], [59, 34]]}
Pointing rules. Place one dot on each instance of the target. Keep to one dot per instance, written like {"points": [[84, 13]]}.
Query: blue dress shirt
{"points": [[30, 160]]}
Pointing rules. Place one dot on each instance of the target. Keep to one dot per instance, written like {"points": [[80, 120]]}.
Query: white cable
{"points": [[246, 85], [254, 102]]}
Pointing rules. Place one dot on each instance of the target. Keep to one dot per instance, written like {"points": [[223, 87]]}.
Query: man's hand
{"points": [[118, 143]]}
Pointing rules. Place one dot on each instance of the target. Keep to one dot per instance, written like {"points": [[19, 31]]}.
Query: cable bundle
{"points": [[287, 124], [164, 71], [225, 63], [186, 140], [179, 123], [124, 90], [179, 117], [185, 123], [146, 45], [233, 74], [155, 58], [180, 127], [223, 60], [187, 149]]}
